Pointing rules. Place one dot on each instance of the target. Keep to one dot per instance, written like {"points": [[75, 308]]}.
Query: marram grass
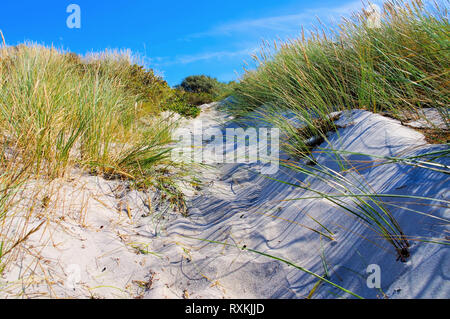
{"points": [[398, 69], [56, 115]]}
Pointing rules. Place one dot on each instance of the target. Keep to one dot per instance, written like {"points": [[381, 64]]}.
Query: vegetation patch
{"points": [[400, 68]]}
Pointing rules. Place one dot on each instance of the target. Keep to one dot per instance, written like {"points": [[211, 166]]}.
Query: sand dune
{"points": [[90, 249]]}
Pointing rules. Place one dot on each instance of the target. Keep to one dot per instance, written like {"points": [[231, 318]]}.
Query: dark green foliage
{"points": [[198, 99], [180, 104], [186, 103], [200, 84], [225, 90], [206, 86], [197, 90]]}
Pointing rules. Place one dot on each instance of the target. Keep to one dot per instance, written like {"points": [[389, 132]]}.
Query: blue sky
{"points": [[176, 38]]}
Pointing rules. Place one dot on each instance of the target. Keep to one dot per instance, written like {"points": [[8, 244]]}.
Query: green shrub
{"points": [[179, 102], [201, 89], [198, 99], [200, 84], [225, 90]]}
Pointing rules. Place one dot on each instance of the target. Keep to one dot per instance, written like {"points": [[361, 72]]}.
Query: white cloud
{"points": [[204, 56], [280, 23], [284, 23]]}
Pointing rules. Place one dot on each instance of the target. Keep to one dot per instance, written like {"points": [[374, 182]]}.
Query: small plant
{"points": [[178, 102]]}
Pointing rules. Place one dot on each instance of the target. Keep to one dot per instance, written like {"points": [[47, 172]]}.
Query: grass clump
{"points": [[57, 111], [399, 68], [154, 95]]}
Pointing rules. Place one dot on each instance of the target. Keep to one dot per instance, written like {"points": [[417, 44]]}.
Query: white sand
{"points": [[241, 207]]}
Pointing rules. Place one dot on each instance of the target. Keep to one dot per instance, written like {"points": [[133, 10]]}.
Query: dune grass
{"points": [[353, 194], [57, 114], [12, 178], [398, 69]]}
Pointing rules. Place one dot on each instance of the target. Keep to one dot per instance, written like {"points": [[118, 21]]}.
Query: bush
{"points": [[210, 89], [200, 84], [179, 103], [226, 90], [197, 90], [198, 99]]}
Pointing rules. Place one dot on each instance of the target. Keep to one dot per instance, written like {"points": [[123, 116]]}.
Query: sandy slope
{"points": [[156, 254]]}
